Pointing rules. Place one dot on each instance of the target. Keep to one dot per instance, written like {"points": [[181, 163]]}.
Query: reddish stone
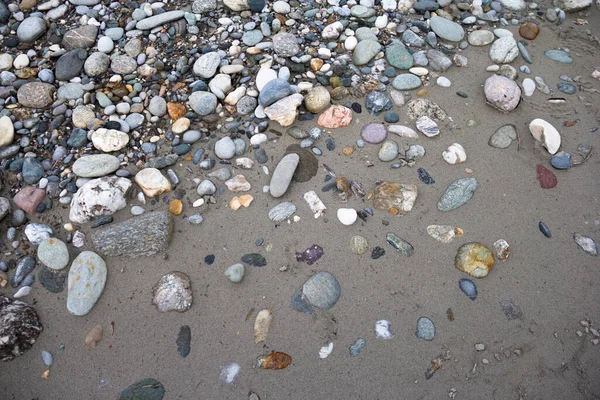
{"points": [[335, 117], [28, 198], [176, 110], [546, 177], [529, 30]]}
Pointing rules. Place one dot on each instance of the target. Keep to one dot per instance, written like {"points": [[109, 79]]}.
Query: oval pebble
{"points": [[468, 287], [47, 358], [544, 229], [425, 329]]}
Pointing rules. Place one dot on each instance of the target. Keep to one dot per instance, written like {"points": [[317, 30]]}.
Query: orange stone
{"points": [[348, 150], [275, 360], [175, 207], [316, 64], [335, 116], [529, 30], [422, 93], [176, 110]]}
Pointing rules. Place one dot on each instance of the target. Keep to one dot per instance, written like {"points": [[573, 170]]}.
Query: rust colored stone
{"points": [[175, 110], [335, 117], [529, 30], [546, 177]]}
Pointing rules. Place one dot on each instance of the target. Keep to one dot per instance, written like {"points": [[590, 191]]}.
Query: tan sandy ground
{"points": [[553, 281]]}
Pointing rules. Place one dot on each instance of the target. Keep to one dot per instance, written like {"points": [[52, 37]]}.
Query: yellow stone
{"points": [[475, 259], [175, 207]]}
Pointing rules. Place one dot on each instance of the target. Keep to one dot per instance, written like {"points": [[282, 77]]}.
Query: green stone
{"points": [[399, 57], [359, 245], [147, 389]]}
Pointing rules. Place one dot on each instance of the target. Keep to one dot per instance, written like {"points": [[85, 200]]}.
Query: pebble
{"points": [[457, 194], [347, 216], [235, 273], [468, 287], [53, 253], [425, 329], [87, 278], [475, 259], [282, 176], [403, 247]]}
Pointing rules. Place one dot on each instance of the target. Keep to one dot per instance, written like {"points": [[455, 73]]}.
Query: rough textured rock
{"points": [[173, 292], [284, 111], [102, 196], [335, 116], [502, 93], [144, 235], [457, 194], [20, 327], [399, 196], [36, 95]]}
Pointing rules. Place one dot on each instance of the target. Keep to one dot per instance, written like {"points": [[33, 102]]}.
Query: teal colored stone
{"points": [[399, 57], [406, 82], [559, 56]]}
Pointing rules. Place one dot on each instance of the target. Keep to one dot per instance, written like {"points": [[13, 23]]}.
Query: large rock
{"points": [[173, 292], [284, 111], [394, 195], [36, 95], [87, 278], [98, 197], [365, 51], [285, 44], [203, 103], [70, 64], [20, 327], [53, 253], [446, 29], [317, 100], [282, 176], [336, 116], [321, 290], [31, 29], [95, 165], [144, 235], [273, 91], [502, 93], [83, 37], [573, 5], [457, 194], [152, 182]]}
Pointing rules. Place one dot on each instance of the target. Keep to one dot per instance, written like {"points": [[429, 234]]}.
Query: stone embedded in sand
{"points": [[262, 325], [243, 200], [546, 177], [455, 154], [53, 253], [175, 206], [143, 235], [359, 245], [546, 133], [502, 93], [503, 137], [87, 278], [403, 247], [94, 336], [173, 293], [235, 273], [146, 389], [321, 290], [422, 107], [427, 126], [282, 176], [19, 328], [238, 184], [383, 329], [398, 196], [315, 203], [511, 310], [444, 233], [529, 30], [183, 341], [275, 360], [475, 259], [468, 287], [586, 243], [425, 329], [285, 110], [457, 194], [152, 182], [335, 116], [98, 197]]}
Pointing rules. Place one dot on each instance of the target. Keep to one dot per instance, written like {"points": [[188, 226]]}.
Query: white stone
{"points": [[244, 162], [419, 71], [455, 154], [347, 216], [21, 61], [389, 5], [220, 85], [258, 139], [547, 134], [403, 131], [381, 21], [528, 87], [515, 5], [152, 182], [350, 43], [315, 203], [281, 7], [332, 31], [264, 76], [235, 96], [501, 32], [105, 45], [98, 197], [108, 140], [6, 61], [225, 148], [443, 81], [7, 131]]}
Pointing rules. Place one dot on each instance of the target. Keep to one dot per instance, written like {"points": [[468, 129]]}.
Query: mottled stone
{"points": [[173, 292]]}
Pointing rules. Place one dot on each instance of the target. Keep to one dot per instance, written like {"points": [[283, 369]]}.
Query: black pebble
{"points": [[209, 259], [544, 229], [183, 341], [357, 108], [425, 177], [377, 253]]}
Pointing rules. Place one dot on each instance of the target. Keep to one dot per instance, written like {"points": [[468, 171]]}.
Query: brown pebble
{"points": [[175, 207], [468, 170], [176, 110], [348, 150], [529, 30], [422, 93], [94, 336], [450, 314]]}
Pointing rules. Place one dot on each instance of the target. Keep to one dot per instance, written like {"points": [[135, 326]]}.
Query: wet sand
{"points": [[554, 282]]}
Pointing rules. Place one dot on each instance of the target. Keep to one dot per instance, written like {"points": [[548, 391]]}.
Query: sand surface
{"points": [[539, 356]]}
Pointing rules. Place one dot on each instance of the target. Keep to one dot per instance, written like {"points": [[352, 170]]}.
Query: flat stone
{"points": [[503, 137], [282, 176], [406, 82], [53, 253], [457, 194], [95, 165], [152, 182], [144, 235], [284, 111], [446, 29], [321, 290], [31, 29], [146, 389], [373, 133], [36, 95], [365, 51], [282, 211], [399, 57], [173, 292], [83, 37], [334, 117], [504, 50], [28, 198], [480, 38], [87, 278], [159, 19]]}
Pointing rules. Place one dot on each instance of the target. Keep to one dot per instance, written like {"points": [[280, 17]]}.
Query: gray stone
{"points": [[504, 50], [123, 64], [99, 197], [206, 187], [457, 194], [114, 33], [282, 211], [438, 61], [36, 233], [225, 148], [253, 37], [25, 266], [406, 82], [221, 174], [4, 207], [53, 253], [425, 329], [560, 56], [399, 57], [159, 19], [83, 37], [206, 66], [285, 44], [70, 91], [503, 137], [173, 292], [32, 170], [87, 278], [365, 51], [246, 105], [282, 176], [388, 151], [143, 235], [412, 39], [203, 103], [360, 11], [31, 29], [321, 290], [70, 64], [157, 106], [95, 165], [36, 95], [364, 33], [202, 6], [377, 102], [480, 38], [273, 91], [446, 29]]}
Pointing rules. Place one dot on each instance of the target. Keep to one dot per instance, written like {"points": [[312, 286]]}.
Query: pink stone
{"points": [[502, 93], [335, 117], [28, 198]]}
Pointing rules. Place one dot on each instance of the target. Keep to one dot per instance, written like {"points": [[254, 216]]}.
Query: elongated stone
{"points": [[457, 194], [144, 235], [400, 244], [282, 176], [87, 278]]}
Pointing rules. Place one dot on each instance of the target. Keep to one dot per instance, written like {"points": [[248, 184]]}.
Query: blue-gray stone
{"points": [[446, 29], [468, 288], [391, 117], [321, 290], [70, 91], [425, 329], [457, 194], [567, 88], [203, 103], [357, 347], [399, 57], [252, 37], [412, 39], [561, 160], [31, 29], [377, 102], [559, 56], [25, 266], [282, 211], [191, 136], [524, 53], [70, 64], [364, 51], [406, 82], [273, 91], [32, 170]]}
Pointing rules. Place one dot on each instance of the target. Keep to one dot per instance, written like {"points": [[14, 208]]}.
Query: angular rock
{"points": [[87, 278], [109, 140], [144, 235], [20, 328], [36, 233], [284, 111], [398, 196], [29, 198], [152, 182], [334, 117], [99, 197]]}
